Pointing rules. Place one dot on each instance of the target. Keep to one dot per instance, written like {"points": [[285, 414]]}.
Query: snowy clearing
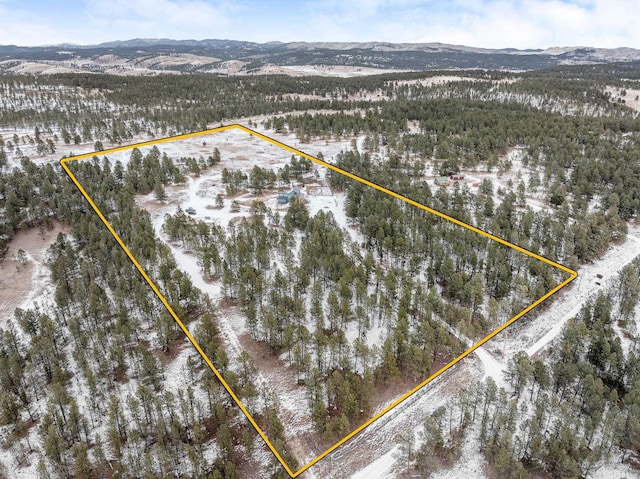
{"points": [[24, 276]]}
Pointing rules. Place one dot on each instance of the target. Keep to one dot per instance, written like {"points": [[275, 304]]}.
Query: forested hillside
{"points": [[321, 309]]}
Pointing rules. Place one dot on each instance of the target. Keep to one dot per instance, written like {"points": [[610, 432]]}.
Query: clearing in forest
{"points": [[317, 191]]}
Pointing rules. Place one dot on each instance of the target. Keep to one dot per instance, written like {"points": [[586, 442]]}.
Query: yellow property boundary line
{"points": [[573, 274]]}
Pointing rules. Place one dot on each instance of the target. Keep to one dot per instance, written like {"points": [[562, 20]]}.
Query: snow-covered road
{"points": [[585, 287], [491, 366], [545, 328]]}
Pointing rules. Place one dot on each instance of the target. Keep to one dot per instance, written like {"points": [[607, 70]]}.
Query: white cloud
{"points": [[22, 27], [160, 18], [104, 20], [485, 23]]}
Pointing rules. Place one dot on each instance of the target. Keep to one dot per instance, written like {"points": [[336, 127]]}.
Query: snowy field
{"points": [[372, 453]]}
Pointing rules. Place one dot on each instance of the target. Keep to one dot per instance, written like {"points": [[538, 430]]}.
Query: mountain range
{"points": [[229, 57]]}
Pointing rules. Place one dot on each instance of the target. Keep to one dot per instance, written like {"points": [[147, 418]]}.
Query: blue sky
{"points": [[481, 23]]}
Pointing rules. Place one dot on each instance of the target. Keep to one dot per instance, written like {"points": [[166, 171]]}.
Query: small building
{"points": [[442, 181], [456, 177], [190, 211], [284, 198], [476, 184]]}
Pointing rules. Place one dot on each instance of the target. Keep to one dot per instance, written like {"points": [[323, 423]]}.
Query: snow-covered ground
{"points": [[24, 277], [199, 193], [541, 330], [240, 151], [373, 452], [533, 337], [374, 449]]}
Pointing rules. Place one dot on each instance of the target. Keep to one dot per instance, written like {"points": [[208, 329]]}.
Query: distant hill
{"points": [[230, 57]]}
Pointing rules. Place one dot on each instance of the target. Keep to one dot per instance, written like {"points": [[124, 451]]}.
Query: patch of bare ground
{"points": [[251, 465], [386, 394], [381, 436], [22, 275], [175, 195], [174, 348], [305, 443], [633, 460], [284, 382], [631, 97]]}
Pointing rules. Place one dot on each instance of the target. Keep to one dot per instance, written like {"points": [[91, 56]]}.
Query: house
{"points": [[442, 181], [284, 198], [456, 177]]}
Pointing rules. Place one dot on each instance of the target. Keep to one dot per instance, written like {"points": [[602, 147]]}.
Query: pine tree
{"points": [[159, 191]]}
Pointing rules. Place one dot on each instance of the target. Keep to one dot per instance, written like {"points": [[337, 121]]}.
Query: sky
{"points": [[480, 23]]}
